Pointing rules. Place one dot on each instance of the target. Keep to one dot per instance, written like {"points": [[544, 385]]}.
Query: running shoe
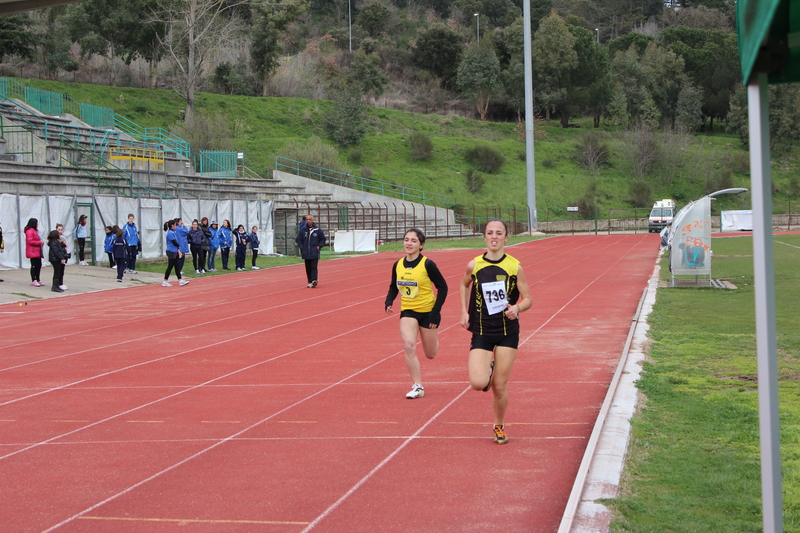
{"points": [[500, 436], [491, 377], [119, 280], [416, 392], [114, 267], [196, 271], [63, 287], [132, 272], [313, 284], [256, 268], [166, 284], [56, 289], [202, 271], [183, 282]]}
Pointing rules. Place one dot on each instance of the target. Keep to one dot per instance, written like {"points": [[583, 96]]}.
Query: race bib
{"points": [[494, 295], [409, 289]]}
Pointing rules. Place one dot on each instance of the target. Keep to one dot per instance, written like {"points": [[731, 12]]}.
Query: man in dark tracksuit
{"points": [[310, 239]]}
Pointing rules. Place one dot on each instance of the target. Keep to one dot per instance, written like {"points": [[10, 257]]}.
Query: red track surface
{"points": [[249, 403]]}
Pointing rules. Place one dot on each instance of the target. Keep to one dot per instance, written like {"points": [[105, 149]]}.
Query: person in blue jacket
{"points": [[80, 237], [108, 246], [173, 254], [225, 239], [213, 245], [242, 238], [254, 244], [310, 239], [121, 251], [182, 233], [131, 234]]}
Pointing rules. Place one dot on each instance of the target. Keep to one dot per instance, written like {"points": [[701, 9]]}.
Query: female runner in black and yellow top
{"points": [[495, 287], [414, 278]]}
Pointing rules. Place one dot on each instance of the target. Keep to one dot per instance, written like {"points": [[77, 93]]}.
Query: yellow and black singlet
{"points": [[414, 281], [494, 283]]}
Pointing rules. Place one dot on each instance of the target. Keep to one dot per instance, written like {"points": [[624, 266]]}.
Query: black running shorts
{"points": [[490, 342]]}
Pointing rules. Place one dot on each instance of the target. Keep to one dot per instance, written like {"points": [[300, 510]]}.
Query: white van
{"points": [[661, 215]]}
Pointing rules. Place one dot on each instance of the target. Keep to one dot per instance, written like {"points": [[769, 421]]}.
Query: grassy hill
{"points": [[260, 127]]}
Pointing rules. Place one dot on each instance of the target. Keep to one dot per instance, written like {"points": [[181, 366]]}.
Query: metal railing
{"points": [[217, 164], [75, 156], [19, 140], [97, 116], [158, 136], [351, 181]]}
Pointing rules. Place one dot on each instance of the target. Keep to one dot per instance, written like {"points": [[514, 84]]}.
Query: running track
{"points": [[247, 402]]}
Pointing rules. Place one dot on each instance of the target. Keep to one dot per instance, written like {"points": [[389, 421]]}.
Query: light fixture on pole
{"points": [[597, 30], [350, 25], [478, 25]]}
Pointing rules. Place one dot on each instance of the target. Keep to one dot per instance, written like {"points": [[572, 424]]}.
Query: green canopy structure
{"points": [[769, 48]]}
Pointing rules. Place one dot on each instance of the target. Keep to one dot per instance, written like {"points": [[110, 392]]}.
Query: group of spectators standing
{"points": [[203, 241]]}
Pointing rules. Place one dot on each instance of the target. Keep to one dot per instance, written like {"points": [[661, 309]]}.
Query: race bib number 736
{"points": [[494, 295]]}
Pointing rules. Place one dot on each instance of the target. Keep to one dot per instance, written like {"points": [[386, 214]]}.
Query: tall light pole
{"points": [[530, 167], [597, 30], [350, 25], [479, 25]]}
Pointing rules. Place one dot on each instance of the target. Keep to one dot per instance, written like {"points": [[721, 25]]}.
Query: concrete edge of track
{"points": [[601, 467]]}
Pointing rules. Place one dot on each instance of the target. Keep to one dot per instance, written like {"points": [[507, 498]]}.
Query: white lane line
{"points": [[380, 465]]}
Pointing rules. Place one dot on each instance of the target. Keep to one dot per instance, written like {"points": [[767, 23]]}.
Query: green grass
{"points": [[693, 464], [262, 126]]}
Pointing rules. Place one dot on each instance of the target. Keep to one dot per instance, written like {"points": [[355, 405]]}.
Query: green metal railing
{"points": [[75, 156], [166, 140], [19, 140], [363, 184], [217, 164], [97, 116]]}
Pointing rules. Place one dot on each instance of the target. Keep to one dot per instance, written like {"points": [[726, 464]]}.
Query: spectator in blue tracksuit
{"points": [[242, 238], [131, 234], [108, 246], [213, 245], [254, 244], [173, 254], [225, 238], [182, 234], [310, 239], [121, 250], [80, 237]]}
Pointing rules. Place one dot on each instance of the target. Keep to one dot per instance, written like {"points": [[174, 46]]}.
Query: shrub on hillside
{"points": [[475, 180], [366, 172], [592, 152], [355, 157], [314, 151], [421, 146], [641, 193], [485, 157], [346, 124]]}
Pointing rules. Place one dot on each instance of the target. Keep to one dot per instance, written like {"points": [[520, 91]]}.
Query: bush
{"points": [[421, 146], [355, 156], [485, 157], [641, 193], [366, 172], [475, 180], [346, 124], [592, 153], [549, 163], [312, 152]]}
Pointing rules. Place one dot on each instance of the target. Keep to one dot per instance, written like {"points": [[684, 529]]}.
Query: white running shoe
{"points": [[183, 282], [202, 271], [166, 284], [113, 267], [196, 271], [63, 287], [256, 268], [417, 391], [132, 272]]}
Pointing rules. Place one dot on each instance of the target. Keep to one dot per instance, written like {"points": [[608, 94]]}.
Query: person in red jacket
{"points": [[33, 250]]}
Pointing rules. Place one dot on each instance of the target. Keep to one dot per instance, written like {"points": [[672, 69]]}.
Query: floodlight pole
{"points": [[529, 157], [766, 330], [350, 24], [478, 27]]}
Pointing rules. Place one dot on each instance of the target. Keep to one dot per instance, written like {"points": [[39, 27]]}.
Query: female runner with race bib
{"points": [[494, 285], [414, 278]]}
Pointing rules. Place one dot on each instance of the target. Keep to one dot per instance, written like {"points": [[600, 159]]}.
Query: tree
{"points": [[15, 36], [53, 51], [784, 115], [589, 82], [195, 28], [439, 51], [346, 124], [270, 18], [479, 75], [554, 57], [365, 73], [689, 110], [374, 18], [114, 29]]}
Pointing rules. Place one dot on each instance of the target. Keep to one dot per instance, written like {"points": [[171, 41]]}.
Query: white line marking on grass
{"points": [[787, 244], [388, 458]]}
